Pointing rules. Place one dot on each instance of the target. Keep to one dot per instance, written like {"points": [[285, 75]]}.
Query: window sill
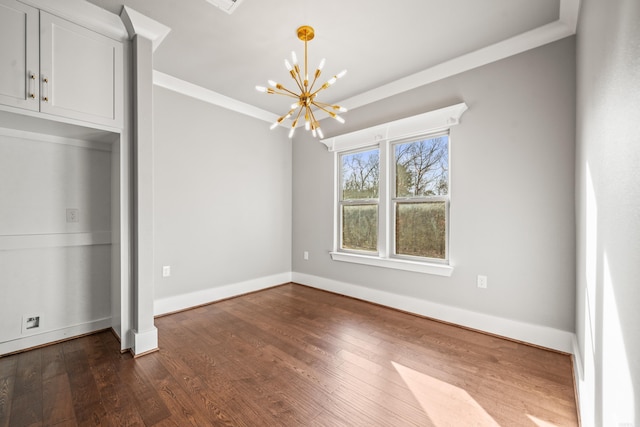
{"points": [[398, 264]]}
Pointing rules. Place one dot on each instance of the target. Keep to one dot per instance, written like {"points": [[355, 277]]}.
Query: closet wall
{"points": [[55, 234]]}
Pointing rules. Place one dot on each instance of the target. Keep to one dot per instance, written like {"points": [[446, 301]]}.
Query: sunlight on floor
{"points": [[443, 402]]}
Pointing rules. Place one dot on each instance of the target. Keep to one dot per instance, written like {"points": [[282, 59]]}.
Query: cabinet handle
{"points": [[32, 82], [45, 89]]}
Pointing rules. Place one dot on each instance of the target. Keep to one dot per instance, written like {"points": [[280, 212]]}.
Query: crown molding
{"points": [[569, 13], [565, 26], [86, 14], [138, 24], [189, 89]]}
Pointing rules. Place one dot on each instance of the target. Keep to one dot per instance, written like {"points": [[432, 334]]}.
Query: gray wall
{"points": [[512, 191], [608, 220], [222, 196]]}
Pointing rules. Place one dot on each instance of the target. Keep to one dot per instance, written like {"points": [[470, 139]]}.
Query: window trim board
{"points": [[429, 122], [394, 263]]}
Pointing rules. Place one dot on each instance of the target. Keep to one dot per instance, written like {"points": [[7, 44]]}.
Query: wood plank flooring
{"points": [[291, 356]]}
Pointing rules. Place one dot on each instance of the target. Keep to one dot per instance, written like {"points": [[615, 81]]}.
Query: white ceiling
{"points": [[386, 47]]}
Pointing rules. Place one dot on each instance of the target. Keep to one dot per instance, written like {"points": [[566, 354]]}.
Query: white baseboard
{"points": [[578, 367], [585, 410], [145, 341], [543, 336], [48, 337], [206, 296]]}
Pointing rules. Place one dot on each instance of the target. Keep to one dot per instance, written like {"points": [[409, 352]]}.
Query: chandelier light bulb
{"points": [[261, 89], [272, 83], [321, 65]]}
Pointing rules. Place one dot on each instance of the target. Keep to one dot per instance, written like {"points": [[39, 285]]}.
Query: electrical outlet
{"points": [[166, 271], [73, 215], [305, 255], [30, 323], [482, 282]]}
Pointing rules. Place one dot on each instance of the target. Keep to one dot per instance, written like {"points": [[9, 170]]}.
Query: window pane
{"points": [[360, 227], [422, 167], [421, 229], [360, 175]]}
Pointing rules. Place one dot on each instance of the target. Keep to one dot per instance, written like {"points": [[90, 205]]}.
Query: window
{"points": [[392, 193], [359, 190], [418, 201], [420, 197]]}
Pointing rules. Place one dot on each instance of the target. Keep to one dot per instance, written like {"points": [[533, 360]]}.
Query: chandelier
{"points": [[305, 95]]}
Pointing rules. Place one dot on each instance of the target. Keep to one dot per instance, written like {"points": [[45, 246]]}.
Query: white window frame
{"points": [[384, 136], [395, 200], [341, 203]]}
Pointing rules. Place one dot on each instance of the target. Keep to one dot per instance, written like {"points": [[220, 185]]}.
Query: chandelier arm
{"points": [[328, 83], [330, 113], [282, 88], [313, 83], [296, 77], [315, 124], [308, 113], [298, 115], [324, 104], [323, 87], [289, 94], [333, 106], [281, 118], [312, 118]]}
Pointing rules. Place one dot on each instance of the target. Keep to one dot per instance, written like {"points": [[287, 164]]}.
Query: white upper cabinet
{"points": [[19, 71], [78, 74]]}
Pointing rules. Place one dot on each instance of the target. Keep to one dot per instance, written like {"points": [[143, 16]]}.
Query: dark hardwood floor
{"points": [[291, 356]]}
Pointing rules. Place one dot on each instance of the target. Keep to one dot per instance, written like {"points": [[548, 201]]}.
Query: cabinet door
{"points": [[81, 72], [18, 55]]}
